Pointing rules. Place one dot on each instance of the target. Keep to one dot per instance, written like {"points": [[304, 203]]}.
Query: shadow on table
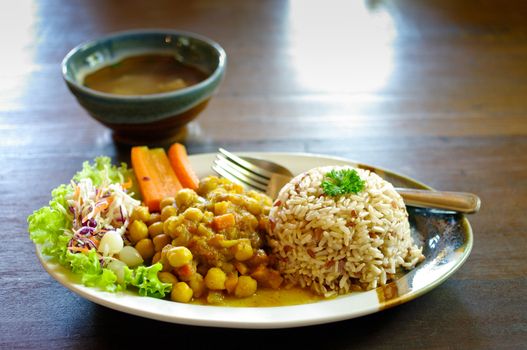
{"points": [[425, 322]]}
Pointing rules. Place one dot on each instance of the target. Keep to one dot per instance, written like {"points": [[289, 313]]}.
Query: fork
{"points": [[270, 177]]}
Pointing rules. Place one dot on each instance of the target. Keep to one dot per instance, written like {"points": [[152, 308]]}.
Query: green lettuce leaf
{"points": [[47, 225], [102, 169], [145, 278], [91, 272]]}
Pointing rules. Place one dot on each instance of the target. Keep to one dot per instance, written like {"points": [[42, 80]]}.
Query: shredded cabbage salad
{"points": [[84, 227]]}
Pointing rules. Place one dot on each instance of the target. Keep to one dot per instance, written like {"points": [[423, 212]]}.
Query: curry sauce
{"points": [[266, 297]]}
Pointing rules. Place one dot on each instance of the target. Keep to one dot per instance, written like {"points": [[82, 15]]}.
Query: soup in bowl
{"points": [[145, 85]]}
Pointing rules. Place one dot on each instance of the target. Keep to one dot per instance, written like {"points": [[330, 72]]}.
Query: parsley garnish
{"points": [[338, 182]]}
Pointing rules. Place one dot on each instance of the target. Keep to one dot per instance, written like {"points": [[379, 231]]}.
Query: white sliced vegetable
{"points": [[117, 267], [111, 243], [130, 256]]}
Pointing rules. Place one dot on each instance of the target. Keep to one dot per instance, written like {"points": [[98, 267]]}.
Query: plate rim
{"points": [[111, 300]]}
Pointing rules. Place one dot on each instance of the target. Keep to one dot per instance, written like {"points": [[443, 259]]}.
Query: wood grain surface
{"points": [[436, 90]]}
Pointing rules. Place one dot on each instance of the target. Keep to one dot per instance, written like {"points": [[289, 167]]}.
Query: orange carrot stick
{"points": [[181, 165], [147, 184], [171, 183], [156, 178]]}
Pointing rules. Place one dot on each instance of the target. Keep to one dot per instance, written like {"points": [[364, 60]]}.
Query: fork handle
{"points": [[458, 201]]}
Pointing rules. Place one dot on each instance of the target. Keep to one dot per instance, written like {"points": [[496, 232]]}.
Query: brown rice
{"points": [[339, 244]]}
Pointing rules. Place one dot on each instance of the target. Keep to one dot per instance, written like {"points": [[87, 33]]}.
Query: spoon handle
{"points": [[462, 202]]}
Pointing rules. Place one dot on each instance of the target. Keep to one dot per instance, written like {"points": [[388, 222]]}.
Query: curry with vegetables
{"points": [[210, 241]]}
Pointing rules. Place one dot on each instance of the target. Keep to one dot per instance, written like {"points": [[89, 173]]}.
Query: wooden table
{"points": [[433, 89]]}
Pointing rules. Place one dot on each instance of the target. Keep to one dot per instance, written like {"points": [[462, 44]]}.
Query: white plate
{"points": [[448, 241]]}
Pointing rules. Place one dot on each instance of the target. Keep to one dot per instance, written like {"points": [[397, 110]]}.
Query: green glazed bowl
{"points": [[145, 118]]}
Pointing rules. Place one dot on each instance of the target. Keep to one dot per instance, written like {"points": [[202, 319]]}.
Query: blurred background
{"points": [[357, 73]]}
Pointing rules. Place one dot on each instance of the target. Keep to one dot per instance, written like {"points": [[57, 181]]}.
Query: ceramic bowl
{"points": [[145, 118]]}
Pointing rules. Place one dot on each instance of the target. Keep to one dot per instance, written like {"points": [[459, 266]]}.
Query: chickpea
{"points": [[163, 257], [181, 293], [237, 188], [193, 214], [246, 287], [160, 241], [235, 199], [170, 226], [207, 217], [248, 222], [254, 194], [155, 229], [140, 213], [243, 251], [185, 198], [221, 208], [227, 267], [183, 236], [218, 193], [138, 231], [167, 277], [154, 217], [197, 284], [145, 247], [166, 202], [165, 250], [267, 201], [215, 279], [207, 184], [261, 198], [167, 212], [253, 206], [179, 256], [156, 258]]}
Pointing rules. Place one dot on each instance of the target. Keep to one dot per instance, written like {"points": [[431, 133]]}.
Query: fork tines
{"points": [[240, 171]]}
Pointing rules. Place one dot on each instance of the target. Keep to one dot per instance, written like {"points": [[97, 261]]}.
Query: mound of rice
{"points": [[340, 244]]}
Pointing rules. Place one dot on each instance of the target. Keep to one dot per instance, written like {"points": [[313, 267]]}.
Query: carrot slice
{"points": [[156, 178], [178, 156], [223, 221]]}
